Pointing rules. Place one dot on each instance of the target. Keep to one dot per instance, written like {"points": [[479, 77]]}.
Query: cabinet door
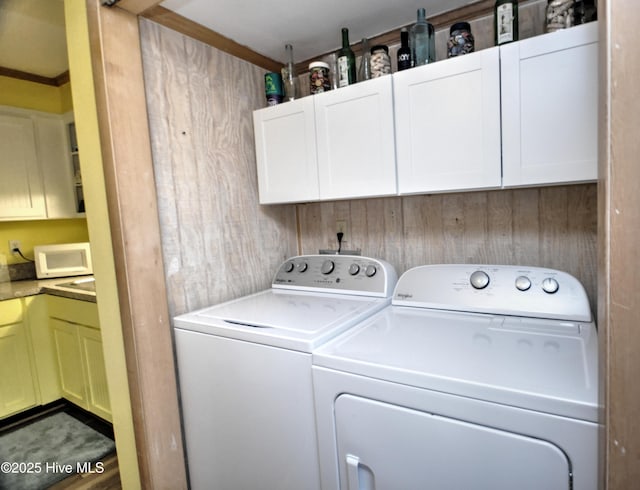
{"points": [[21, 191], [356, 156], [54, 157], [286, 152], [67, 345], [550, 108], [96, 374], [17, 391], [448, 124]]}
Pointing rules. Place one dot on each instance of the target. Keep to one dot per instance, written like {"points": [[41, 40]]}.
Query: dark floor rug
{"points": [[48, 450]]}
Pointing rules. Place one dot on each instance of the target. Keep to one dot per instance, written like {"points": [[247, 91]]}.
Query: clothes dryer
{"points": [[477, 377], [244, 369]]}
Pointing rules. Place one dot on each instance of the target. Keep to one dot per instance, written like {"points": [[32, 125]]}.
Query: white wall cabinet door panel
{"points": [[53, 154], [447, 117], [550, 108], [286, 156], [21, 191], [355, 137]]}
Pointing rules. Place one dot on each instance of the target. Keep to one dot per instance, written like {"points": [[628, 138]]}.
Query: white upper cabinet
{"points": [[286, 152], [54, 157], [21, 191], [550, 108], [355, 137], [522, 114], [447, 117], [35, 164], [334, 145]]}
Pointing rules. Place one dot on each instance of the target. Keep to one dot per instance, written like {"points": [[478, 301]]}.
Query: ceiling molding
{"points": [[192, 29], [32, 77], [136, 7]]}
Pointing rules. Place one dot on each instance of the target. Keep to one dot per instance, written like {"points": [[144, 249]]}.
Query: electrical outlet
{"points": [[14, 246], [342, 226]]}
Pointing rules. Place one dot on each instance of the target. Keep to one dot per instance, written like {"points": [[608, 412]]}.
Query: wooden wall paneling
{"points": [[132, 205], [537, 227], [526, 226], [218, 242], [500, 243]]}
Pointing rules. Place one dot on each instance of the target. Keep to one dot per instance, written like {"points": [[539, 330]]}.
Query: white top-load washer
{"points": [[477, 377], [244, 370]]}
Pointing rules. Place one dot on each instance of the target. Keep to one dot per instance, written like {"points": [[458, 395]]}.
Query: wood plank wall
{"points": [[219, 243], [547, 227]]}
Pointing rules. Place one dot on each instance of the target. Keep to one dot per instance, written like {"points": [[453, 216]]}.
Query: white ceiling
{"points": [[32, 36], [312, 27]]}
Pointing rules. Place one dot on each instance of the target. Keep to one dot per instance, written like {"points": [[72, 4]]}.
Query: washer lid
{"points": [[290, 319], [544, 365]]}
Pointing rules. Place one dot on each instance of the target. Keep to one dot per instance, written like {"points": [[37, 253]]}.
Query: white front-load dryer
{"points": [[477, 377], [244, 369]]}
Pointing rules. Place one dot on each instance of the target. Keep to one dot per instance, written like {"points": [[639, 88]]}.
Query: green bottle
{"points": [[346, 62], [505, 21]]}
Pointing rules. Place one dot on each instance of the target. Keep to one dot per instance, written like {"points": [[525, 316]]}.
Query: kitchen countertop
{"points": [[22, 289]]}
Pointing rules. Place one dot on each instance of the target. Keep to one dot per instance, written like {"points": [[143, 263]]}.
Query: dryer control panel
{"points": [[500, 289], [345, 274]]}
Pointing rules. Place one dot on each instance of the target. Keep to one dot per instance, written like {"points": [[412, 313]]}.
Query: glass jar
{"points": [[380, 61], [585, 11], [319, 77], [559, 15], [460, 40]]}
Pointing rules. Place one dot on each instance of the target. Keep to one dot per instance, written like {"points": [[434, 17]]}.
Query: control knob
{"points": [[550, 285], [354, 269], [327, 267], [479, 280], [302, 266], [523, 283], [288, 267], [370, 271]]}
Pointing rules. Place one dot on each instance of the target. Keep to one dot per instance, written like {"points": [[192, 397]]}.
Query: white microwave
{"points": [[62, 260]]}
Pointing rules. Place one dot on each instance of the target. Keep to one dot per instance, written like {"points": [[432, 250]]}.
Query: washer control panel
{"points": [[348, 274], [500, 289]]}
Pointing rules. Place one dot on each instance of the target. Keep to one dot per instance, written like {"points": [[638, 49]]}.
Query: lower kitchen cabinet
{"points": [[17, 381], [78, 345]]}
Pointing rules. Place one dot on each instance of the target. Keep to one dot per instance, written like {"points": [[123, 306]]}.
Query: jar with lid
{"points": [[319, 77], [559, 15], [380, 61], [460, 40]]}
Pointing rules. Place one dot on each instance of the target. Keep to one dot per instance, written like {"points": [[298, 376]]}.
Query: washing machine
{"points": [[244, 371], [476, 377]]}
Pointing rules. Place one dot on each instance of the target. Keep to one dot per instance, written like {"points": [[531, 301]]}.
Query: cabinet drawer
{"points": [[73, 311]]}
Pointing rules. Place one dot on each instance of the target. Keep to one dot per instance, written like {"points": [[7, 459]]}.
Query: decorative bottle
{"points": [[404, 51], [364, 70], [422, 41], [289, 78], [505, 21], [346, 62]]}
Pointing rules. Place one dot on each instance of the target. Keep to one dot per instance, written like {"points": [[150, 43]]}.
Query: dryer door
{"points": [[387, 447]]}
